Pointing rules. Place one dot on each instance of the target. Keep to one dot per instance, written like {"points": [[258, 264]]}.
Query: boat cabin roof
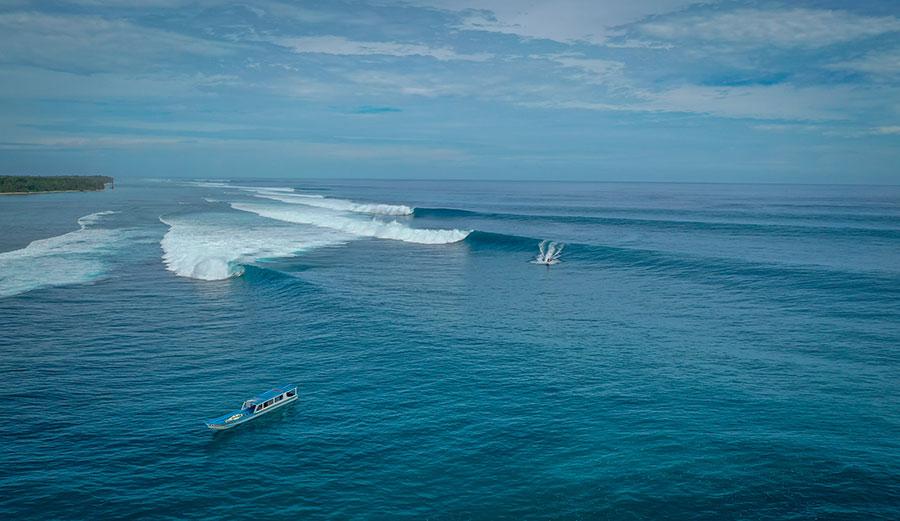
{"points": [[272, 393]]}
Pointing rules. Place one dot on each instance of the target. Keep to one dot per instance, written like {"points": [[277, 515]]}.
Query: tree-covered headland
{"points": [[18, 183]]}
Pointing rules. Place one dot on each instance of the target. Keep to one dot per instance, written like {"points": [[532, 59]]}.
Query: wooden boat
{"points": [[255, 407]]}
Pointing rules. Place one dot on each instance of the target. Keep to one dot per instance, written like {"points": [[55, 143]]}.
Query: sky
{"points": [[644, 90]]}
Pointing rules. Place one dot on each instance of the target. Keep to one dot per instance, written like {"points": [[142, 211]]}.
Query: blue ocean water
{"points": [[695, 351]]}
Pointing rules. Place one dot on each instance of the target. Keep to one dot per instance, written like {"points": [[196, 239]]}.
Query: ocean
{"points": [[463, 350]]}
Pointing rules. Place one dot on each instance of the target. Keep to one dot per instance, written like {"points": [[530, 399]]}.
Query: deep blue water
{"points": [[698, 352]]}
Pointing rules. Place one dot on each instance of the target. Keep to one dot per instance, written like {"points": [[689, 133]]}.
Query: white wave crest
{"points": [[343, 205], [72, 258], [213, 247], [93, 218], [353, 225], [223, 184], [289, 195]]}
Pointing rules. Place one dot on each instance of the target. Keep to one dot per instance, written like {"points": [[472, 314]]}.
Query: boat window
{"points": [[278, 398], [269, 403], [290, 393]]}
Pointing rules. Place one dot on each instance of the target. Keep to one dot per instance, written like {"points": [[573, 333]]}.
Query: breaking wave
{"points": [[93, 218], [333, 220], [290, 196], [215, 246], [342, 205], [222, 184], [72, 258]]}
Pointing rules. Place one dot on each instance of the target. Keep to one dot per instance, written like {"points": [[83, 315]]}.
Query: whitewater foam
{"points": [[222, 184], [93, 218], [290, 196], [335, 220], [343, 205], [548, 252], [216, 246], [72, 258]]}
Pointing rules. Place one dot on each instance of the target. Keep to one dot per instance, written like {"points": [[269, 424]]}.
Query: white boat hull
{"points": [[249, 417]]}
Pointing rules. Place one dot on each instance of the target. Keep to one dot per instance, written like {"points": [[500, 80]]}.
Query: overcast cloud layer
{"points": [[671, 90]]}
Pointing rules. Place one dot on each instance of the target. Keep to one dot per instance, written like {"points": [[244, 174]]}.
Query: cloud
{"points": [[639, 44], [591, 70], [130, 3], [565, 21], [291, 12], [323, 149], [781, 101], [341, 46], [892, 129], [130, 127], [425, 85], [794, 28], [33, 83], [77, 143], [91, 43], [851, 131], [763, 102], [367, 109], [878, 63]]}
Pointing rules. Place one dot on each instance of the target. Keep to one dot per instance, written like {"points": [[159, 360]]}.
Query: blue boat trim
{"points": [[255, 407]]}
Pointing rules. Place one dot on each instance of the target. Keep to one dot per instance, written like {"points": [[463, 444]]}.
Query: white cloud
{"points": [[339, 45], [593, 71], [292, 12], [130, 3], [577, 105], [852, 131], [805, 28], [640, 44], [32, 83], [560, 20], [775, 102], [428, 86], [782, 101], [70, 142], [879, 63], [353, 151], [781, 127], [91, 43]]}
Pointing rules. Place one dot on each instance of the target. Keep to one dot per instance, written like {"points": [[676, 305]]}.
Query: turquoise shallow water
{"points": [[698, 352]]}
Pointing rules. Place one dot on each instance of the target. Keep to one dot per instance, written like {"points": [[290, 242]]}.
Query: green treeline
{"points": [[16, 183]]}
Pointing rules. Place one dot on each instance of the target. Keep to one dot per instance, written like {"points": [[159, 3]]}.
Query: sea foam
{"points": [[72, 258], [549, 252], [290, 196], [222, 184], [355, 225], [216, 246], [337, 204]]}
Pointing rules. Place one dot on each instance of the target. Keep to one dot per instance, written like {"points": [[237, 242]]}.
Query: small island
{"points": [[14, 184]]}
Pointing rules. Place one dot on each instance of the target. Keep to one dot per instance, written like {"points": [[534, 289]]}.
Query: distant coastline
{"points": [[52, 191], [23, 185]]}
